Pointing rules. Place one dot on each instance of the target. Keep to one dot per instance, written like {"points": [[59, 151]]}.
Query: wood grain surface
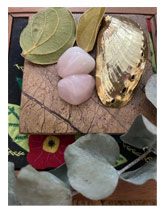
{"points": [[43, 112], [122, 10], [125, 194]]}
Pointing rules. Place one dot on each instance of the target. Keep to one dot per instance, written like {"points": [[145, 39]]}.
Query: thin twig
{"points": [[141, 157]]}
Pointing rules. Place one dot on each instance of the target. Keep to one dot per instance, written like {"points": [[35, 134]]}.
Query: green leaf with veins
{"points": [[48, 34]]}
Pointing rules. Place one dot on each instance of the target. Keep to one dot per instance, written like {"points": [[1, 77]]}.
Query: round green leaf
{"points": [[48, 34], [89, 162]]}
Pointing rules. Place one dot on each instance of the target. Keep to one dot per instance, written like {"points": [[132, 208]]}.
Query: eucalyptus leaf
{"points": [[12, 200], [41, 188], [100, 146], [142, 134], [48, 34], [88, 27], [89, 162], [142, 174], [151, 89], [61, 173]]}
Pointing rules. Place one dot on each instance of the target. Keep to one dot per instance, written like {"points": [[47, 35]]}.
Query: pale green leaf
{"points": [[142, 134], [49, 33], [12, 200], [151, 89], [49, 58], [142, 174], [89, 166], [41, 188]]}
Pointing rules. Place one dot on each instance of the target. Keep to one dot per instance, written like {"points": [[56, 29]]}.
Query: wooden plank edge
{"points": [[144, 192], [118, 10], [21, 15], [10, 21]]}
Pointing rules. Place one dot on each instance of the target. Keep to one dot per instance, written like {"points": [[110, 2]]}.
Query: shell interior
{"points": [[120, 61]]}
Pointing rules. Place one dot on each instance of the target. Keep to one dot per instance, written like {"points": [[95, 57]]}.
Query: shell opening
{"points": [[124, 90], [132, 77]]}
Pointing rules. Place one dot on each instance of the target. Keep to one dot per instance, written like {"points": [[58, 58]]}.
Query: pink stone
{"points": [[75, 61], [76, 89]]}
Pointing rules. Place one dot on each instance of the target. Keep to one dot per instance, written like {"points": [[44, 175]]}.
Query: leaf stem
{"points": [[141, 157]]}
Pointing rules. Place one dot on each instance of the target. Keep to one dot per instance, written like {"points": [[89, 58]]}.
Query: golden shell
{"points": [[120, 61]]}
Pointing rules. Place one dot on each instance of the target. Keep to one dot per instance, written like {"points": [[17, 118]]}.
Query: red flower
{"points": [[48, 151]]}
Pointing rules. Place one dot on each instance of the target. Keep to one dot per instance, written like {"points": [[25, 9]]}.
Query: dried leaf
{"points": [[41, 188], [88, 27], [151, 89], [142, 174], [142, 134], [89, 166], [48, 34]]}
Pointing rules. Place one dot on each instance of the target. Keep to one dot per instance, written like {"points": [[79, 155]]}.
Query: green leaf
{"points": [[48, 34], [13, 127], [151, 89], [88, 27], [142, 174], [49, 58], [121, 160], [61, 173], [41, 188], [12, 200], [100, 145], [142, 134], [89, 162]]}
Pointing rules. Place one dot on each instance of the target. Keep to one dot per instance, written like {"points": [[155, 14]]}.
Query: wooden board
{"points": [[43, 112], [15, 11], [125, 194]]}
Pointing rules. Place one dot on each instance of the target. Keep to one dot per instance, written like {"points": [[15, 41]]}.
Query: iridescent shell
{"points": [[120, 61]]}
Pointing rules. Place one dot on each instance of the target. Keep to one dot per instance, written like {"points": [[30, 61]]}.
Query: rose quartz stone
{"points": [[76, 89], [75, 61]]}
